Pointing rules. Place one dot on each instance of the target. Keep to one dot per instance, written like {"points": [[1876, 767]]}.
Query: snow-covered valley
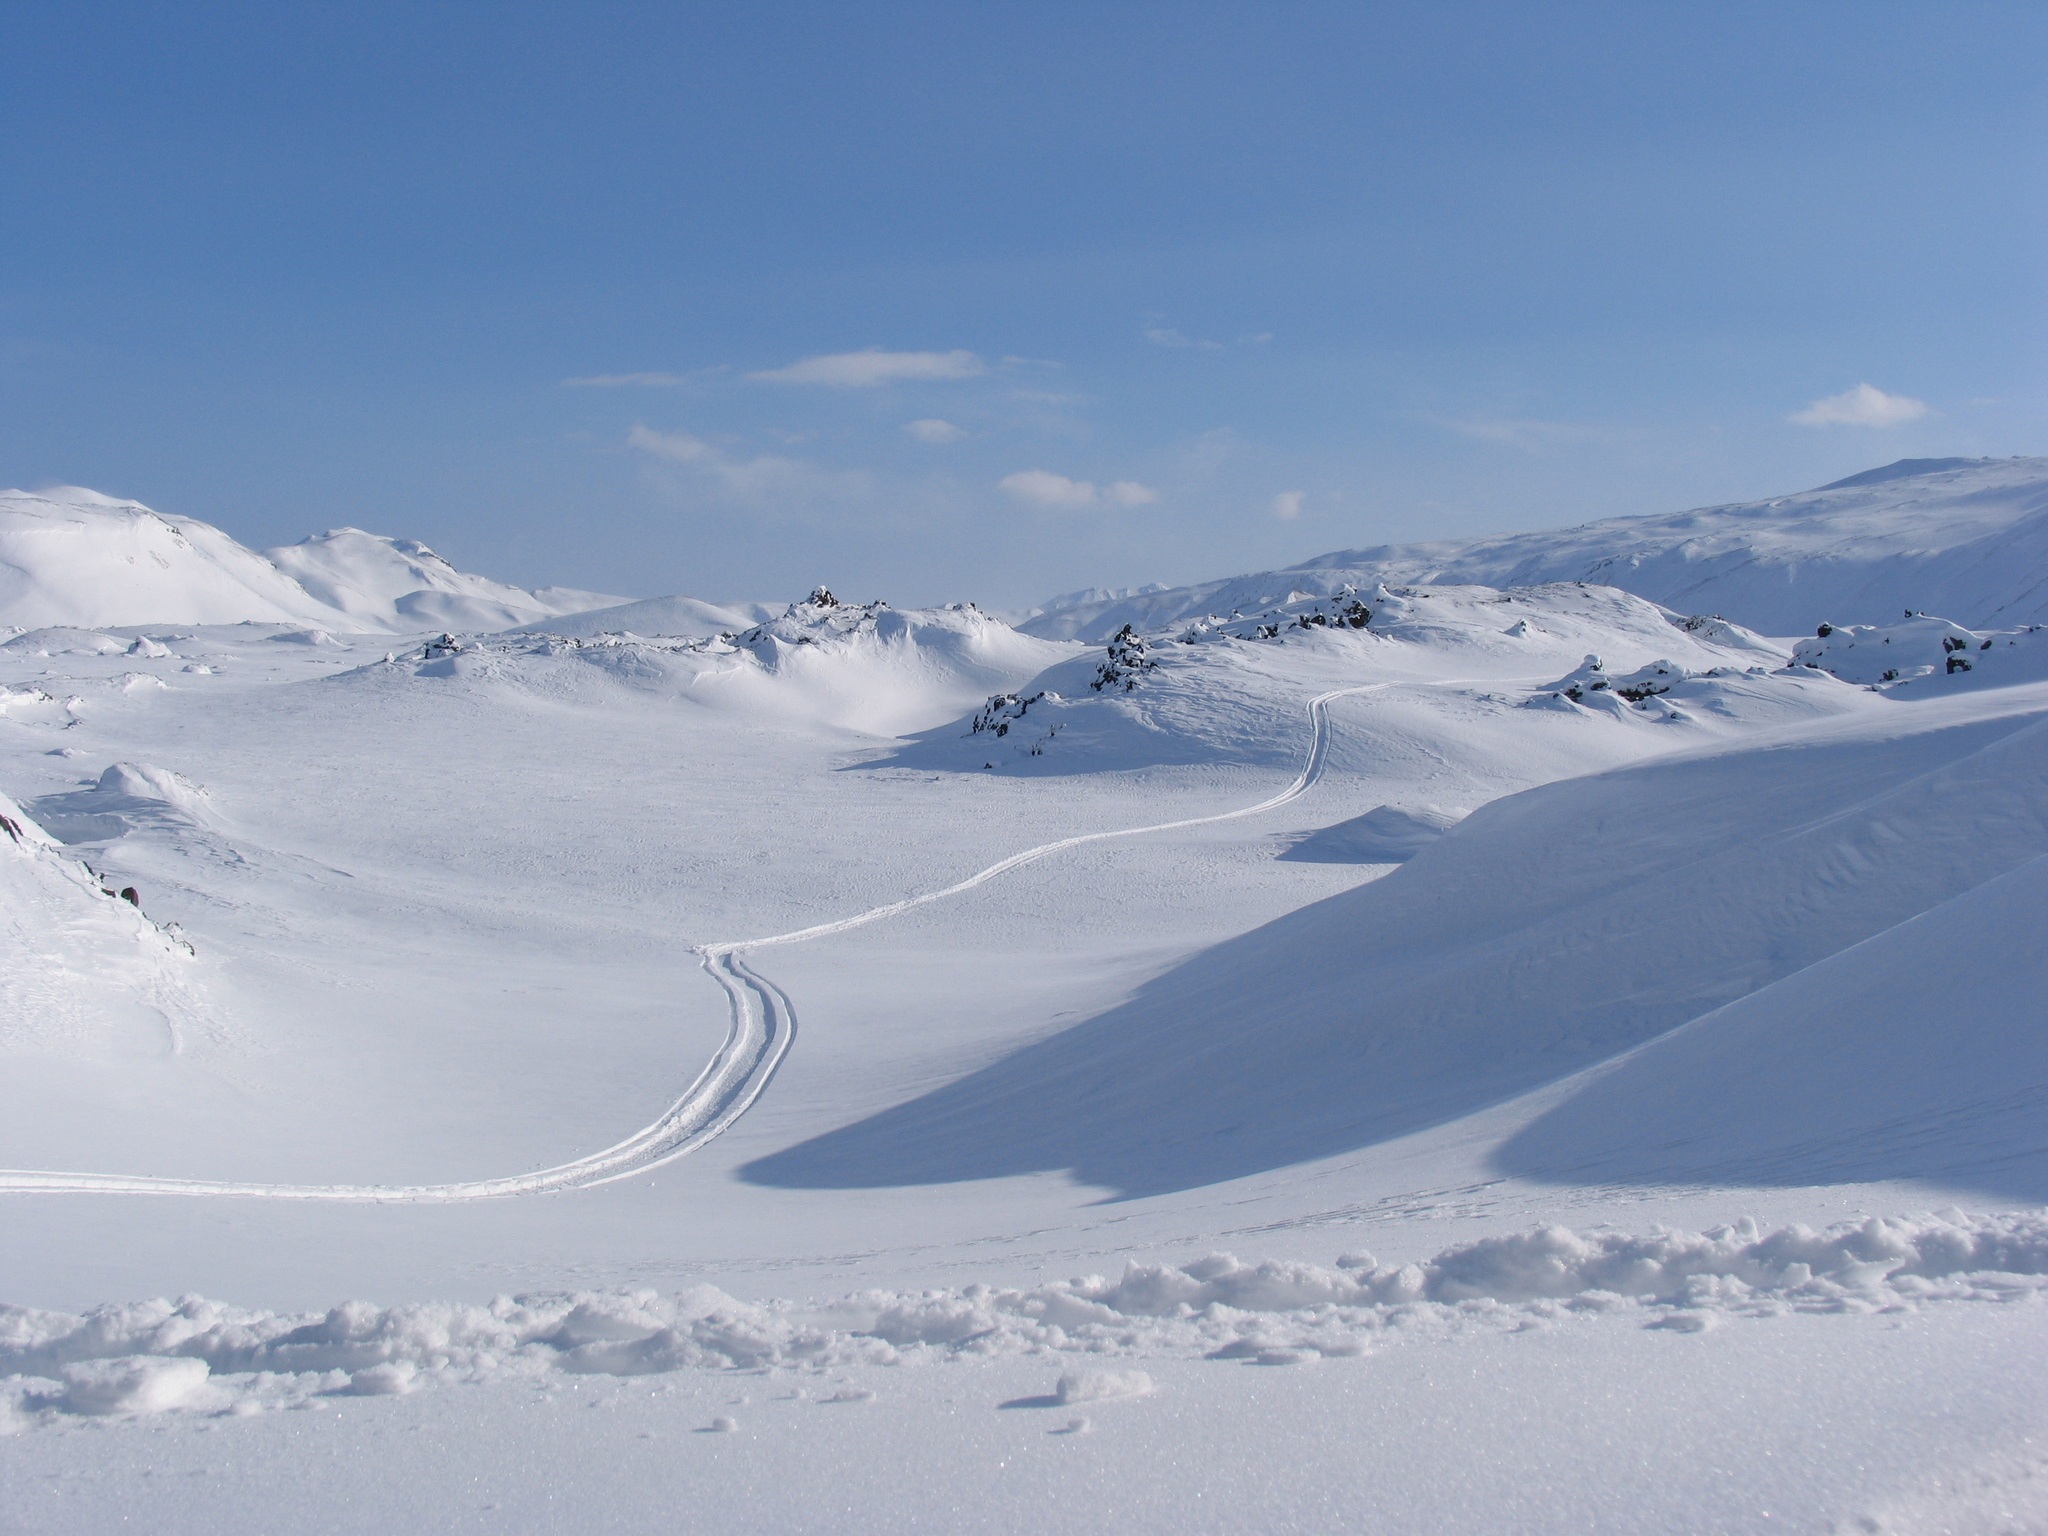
{"points": [[1493, 1046]]}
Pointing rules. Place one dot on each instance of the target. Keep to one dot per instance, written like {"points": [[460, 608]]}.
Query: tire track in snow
{"points": [[759, 1037]]}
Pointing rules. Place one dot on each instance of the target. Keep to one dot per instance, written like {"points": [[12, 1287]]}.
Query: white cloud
{"points": [[1286, 506], [1863, 406], [866, 370], [1167, 336], [626, 381], [679, 446], [933, 430], [1527, 434], [766, 478], [1043, 488]]}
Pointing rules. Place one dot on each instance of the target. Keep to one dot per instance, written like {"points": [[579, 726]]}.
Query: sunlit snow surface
{"points": [[1603, 1089]]}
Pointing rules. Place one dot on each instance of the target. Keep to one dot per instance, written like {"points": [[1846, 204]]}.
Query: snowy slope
{"points": [[1548, 931], [72, 557], [1967, 538], [1230, 691], [82, 972], [400, 584]]}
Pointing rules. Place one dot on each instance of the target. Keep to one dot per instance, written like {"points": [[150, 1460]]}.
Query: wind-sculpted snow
{"points": [[1968, 538], [196, 1356]]}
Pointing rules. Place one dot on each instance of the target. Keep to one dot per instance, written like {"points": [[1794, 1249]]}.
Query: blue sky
{"points": [[998, 301]]}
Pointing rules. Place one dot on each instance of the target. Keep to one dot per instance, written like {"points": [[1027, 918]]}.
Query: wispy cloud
{"points": [[874, 367], [1043, 488], [626, 381], [1167, 336], [1286, 506], [765, 478], [1526, 433], [932, 430], [1864, 406]]}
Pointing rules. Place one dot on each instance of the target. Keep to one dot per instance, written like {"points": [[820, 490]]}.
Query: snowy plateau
{"points": [[1535, 1034]]}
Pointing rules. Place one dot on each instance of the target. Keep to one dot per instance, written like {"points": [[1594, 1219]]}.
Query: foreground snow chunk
{"points": [[135, 1384]]}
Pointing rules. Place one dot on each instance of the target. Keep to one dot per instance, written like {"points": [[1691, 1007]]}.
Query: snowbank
{"points": [[198, 1356]]}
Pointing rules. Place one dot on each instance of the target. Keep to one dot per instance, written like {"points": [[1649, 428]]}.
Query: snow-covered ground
{"points": [[1408, 1055]]}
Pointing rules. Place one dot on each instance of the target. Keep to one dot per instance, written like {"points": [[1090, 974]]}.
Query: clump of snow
{"points": [[1100, 1387], [197, 1355]]}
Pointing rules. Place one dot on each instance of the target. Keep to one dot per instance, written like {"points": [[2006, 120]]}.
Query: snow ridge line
{"points": [[763, 1026]]}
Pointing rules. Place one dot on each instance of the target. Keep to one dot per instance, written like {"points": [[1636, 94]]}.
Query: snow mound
{"points": [[195, 1355], [1387, 834], [72, 557], [1967, 537], [125, 798]]}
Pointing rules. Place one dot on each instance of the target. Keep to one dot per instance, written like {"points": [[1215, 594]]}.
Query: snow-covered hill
{"points": [[73, 557], [865, 667], [400, 584], [1966, 538], [1234, 691]]}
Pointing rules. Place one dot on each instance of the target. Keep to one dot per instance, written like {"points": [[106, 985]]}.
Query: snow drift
{"points": [[1963, 537], [201, 1356]]}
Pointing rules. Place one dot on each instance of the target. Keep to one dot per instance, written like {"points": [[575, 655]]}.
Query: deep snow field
{"points": [[1385, 1053]]}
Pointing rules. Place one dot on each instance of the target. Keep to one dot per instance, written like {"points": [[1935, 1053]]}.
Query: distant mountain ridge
{"points": [[1964, 538], [71, 556]]}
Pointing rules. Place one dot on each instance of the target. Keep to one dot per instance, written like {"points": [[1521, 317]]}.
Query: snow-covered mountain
{"points": [[74, 557], [1965, 538]]}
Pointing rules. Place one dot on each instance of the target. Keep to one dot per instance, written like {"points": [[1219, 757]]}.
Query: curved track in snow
{"points": [[763, 1026]]}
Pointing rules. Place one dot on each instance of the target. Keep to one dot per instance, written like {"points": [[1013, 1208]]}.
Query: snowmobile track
{"points": [[762, 1029]]}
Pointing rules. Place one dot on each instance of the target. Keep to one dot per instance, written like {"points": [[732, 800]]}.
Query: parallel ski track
{"points": [[763, 1027]]}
